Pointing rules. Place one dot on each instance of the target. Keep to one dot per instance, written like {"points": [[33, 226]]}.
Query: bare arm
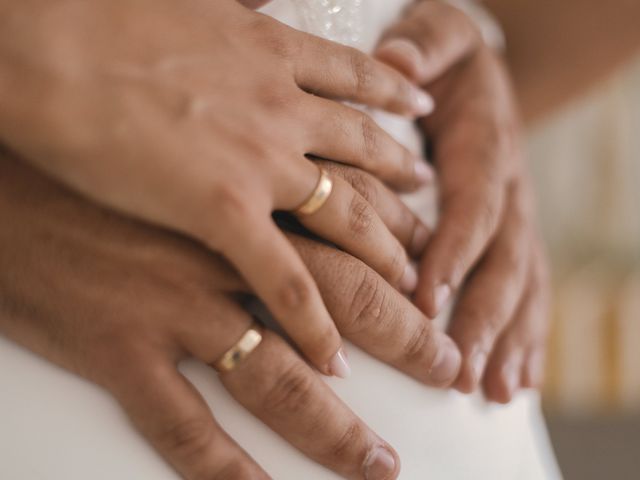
{"points": [[558, 50]]}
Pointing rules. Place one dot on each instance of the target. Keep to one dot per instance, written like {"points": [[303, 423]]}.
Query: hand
{"points": [[486, 232], [197, 116], [130, 301]]}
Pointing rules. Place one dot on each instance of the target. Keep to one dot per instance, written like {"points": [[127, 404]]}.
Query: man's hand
{"points": [[486, 241], [198, 116], [121, 303]]}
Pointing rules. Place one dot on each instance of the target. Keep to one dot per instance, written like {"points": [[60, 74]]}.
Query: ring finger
{"points": [[399, 219], [279, 388], [350, 222]]}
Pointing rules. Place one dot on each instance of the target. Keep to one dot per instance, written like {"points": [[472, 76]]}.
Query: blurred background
{"points": [[586, 163]]}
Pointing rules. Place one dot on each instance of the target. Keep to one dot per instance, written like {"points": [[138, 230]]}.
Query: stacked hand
{"points": [[485, 243], [121, 304], [206, 131]]}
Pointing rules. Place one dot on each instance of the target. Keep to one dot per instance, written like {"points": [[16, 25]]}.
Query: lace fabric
{"points": [[337, 20]]}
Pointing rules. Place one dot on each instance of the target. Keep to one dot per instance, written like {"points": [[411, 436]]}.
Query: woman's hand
{"points": [[486, 236], [121, 303], [197, 115]]}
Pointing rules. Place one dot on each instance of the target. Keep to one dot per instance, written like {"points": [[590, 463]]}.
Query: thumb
{"points": [[430, 39], [403, 55]]}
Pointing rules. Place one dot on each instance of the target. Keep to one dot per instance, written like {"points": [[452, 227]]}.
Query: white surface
{"points": [[55, 426]]}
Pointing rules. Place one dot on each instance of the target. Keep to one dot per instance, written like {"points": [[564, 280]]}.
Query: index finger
{"points": [[476, 154], [273, 269], [335, 71]]}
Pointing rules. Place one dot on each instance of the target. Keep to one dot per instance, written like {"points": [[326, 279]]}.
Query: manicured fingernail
{"points": [[405, 49], [441, 295], [339, 366], [423, 171], [477, 363], [447, 364], [423, 103], [380, 464], [409, 280], [419, 240]]}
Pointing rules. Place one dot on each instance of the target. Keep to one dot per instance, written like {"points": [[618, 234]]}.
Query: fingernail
{"points": [[478, 362], [338, 366], [419, 240], [380, 464], [423, 103], [409, 280], [403, 48], [441, 295], [423, 171]]}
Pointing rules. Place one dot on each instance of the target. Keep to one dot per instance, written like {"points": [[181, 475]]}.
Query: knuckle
{"points": [[418, 345], [295, 292], [186, 439], [362, 70], [479, 211], [370, 139], [230, 202], [273, 36], [109, 362], [277, 99], [280, 46], [291, 393], [349, 444], [361, 216], [473, 313], [364, 185], [396, 264], [486, 325], [230, 205], [368, 305]]}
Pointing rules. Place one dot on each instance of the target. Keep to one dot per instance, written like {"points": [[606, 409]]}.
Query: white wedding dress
{"points": [[55, 426]]}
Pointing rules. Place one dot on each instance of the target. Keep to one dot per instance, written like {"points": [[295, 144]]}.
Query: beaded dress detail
{"points": [[337, 20]]}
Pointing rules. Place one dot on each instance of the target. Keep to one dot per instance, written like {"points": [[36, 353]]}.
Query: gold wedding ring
{"points": [[241, 350], [319, 195]]}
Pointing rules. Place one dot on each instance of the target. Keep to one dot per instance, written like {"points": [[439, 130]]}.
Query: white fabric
{"points": [[55, 426]]}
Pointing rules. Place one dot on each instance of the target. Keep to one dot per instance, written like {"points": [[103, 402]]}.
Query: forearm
{"points": [[558, 50]]}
